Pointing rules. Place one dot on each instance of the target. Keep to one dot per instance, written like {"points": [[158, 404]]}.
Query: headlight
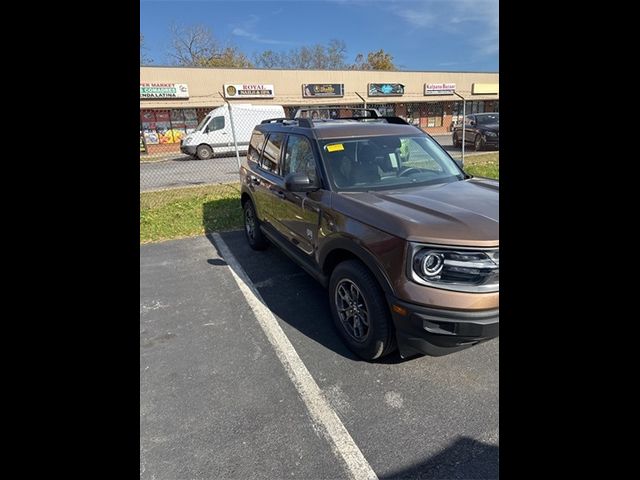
{"points": [[455, 268], [490, 134]]}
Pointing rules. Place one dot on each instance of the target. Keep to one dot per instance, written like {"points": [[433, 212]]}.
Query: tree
{"points": [[195, 46], [379, 60], [270, 59], [318, 56], [144, 58]]}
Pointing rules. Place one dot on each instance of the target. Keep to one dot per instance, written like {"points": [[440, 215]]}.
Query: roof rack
{"points": [[372, 111], [309, 123], [302, 122]]}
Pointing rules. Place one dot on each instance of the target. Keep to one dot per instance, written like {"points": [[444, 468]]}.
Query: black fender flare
{"points": [[361, 253]]}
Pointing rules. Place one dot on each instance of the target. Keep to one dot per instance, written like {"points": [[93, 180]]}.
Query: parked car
{"points": [[378, 212], [482, 130], [214, 135]]}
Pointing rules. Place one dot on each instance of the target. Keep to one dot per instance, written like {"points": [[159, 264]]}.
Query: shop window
{"points": [[435, 111]]}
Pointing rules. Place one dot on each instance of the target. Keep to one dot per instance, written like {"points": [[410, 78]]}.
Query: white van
{"points": [[214, 135]]}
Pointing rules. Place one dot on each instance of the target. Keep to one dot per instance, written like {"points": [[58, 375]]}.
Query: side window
{"points": [[298, 157], [255, 146], [216, 123], [418, 155], [271, 154]]}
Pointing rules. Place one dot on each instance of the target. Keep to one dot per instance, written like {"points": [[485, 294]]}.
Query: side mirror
{"points": [[472, 122], [299, 182]]}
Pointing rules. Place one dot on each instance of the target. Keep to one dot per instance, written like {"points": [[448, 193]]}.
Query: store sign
{"points": [[164, 90], [486, 88], [386, 89], [323, 90], [439, 88], [249, 90]]}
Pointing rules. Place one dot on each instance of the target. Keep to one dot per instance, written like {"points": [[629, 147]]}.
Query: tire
{"points": [[352, 279], [479, 144], [456, 141], [255, 237], [204, 152]]}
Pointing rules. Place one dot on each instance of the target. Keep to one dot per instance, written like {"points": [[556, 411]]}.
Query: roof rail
{"points": [[301, 122], [373, 113], [274, 120], [393, 119]]}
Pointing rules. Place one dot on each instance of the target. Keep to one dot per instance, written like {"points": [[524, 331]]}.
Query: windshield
{"points": [[387, 162], [488, 118], [202, 123]]}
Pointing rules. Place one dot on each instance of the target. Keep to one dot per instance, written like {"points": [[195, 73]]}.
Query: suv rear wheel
{"points": [[456, 140], [360, 311], [254, 235]]}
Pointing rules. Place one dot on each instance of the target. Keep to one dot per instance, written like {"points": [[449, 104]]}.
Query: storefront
{"points": [[174, 100]]}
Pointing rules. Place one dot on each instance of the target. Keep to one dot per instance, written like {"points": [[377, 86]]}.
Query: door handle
{"points": [[280, 194]]}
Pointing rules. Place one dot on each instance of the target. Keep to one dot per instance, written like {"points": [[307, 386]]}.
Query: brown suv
{"points": [[378, 212]]}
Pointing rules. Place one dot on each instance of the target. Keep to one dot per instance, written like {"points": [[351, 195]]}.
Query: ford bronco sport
{"points": [[378, 212]]}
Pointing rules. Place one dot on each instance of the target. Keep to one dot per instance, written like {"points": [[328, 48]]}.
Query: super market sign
{"points": [[164, 90]]}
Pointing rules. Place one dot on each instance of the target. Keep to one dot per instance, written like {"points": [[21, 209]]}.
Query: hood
{"points": [[457, 213]]}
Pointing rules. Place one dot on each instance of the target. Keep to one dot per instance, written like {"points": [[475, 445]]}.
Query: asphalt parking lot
{"points": [[216, 402]]}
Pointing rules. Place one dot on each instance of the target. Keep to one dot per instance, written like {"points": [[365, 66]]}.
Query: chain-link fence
{"points": [[199, 149]]}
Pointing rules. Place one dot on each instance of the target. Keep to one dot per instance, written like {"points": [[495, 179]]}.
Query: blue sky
{"points": [[454, 35]]}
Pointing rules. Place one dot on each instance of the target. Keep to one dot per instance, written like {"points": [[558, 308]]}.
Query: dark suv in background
{"points": [[379, 213], [482, 130]]}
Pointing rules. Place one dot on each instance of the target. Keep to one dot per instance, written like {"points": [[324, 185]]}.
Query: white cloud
{"points": [[454, 17], [416, 17], [247, 30]]}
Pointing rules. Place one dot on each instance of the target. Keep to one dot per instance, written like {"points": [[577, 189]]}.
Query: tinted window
{"points": [[298, 157], [217, 123], [271, 154], [255, 146], [488, 118]]}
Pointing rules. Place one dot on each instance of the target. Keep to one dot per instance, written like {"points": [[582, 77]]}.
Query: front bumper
{"points": [[434, 331], [491, 141], [188, 149]]}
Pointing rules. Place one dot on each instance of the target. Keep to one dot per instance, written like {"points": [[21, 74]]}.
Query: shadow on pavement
{"points": [[465, 459], [290, 293]]}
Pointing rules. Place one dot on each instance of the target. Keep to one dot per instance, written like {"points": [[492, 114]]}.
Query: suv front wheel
{"points": [[360, 311]]}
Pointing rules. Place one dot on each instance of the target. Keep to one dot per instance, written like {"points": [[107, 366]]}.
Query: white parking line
{"points": [[324, 418]]}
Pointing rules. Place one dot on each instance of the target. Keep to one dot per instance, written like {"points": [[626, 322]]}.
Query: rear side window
{"points": [[271, 154], [255, 146]]}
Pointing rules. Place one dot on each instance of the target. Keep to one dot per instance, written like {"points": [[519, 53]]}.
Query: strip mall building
{"points": [[173, 100]]}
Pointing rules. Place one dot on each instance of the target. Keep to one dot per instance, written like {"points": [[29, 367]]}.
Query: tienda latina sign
{"points": [[164, 90]]}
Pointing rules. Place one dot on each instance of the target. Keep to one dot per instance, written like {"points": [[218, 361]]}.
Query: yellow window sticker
{"points": [[336, 147]]}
